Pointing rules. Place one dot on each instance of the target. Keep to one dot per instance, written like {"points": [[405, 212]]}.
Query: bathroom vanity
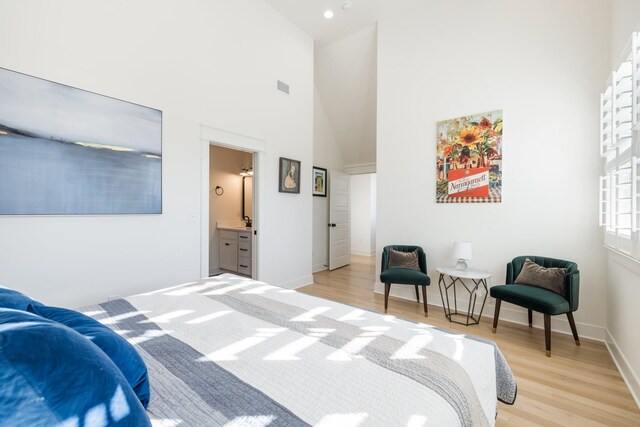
{"points": [[235, 249]]}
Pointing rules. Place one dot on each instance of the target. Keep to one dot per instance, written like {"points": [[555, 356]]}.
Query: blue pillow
{"points": [[51, 375], [14, 299], [123, 354]]}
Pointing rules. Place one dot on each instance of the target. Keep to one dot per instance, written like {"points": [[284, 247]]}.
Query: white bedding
{"points": [[234, 351]]}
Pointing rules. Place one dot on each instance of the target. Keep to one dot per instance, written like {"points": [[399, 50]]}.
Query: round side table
{"points": [[478, 277]]}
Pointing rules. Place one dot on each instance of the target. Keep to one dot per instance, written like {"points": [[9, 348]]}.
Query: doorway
{"points": [[246, 239], [363, 214], [231, 213]]}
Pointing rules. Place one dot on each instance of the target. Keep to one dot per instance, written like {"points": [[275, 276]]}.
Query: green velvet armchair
{"points": [[541, 300], [405, 276]]}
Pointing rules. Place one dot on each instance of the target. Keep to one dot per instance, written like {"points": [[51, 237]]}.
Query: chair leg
{"points": [[387, 287], [417, 293], [547, 333], [573, 328], [424, 298], [496, 315], [530, 318]]}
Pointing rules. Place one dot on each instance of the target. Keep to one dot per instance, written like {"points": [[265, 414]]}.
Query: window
{"points": [[620, 149]]}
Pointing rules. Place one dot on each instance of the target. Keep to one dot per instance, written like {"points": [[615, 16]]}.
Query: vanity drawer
{"points": [[228, 235], [244, 266], [244, 236], [244, 248]]}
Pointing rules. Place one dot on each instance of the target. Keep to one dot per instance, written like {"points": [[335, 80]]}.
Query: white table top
{"points": [[469, 273]]}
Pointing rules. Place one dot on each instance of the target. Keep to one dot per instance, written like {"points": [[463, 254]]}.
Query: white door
{"points": [[339, 228]]}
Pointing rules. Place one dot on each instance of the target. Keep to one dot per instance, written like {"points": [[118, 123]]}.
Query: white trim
{"points": [[219, 137], [362, 252], [204, 209], [508, 312], [319, 267], [296, 283], [625, 260], [231, 139], [360, 169], [624, 367]]}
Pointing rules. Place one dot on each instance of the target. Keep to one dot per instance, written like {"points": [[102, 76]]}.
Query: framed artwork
{"points": [[289, 176], [67, 151], [319, 182], [469, 159]]}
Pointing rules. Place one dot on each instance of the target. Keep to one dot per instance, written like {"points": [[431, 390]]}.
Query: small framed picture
{"points": [[319, 182], [289, 176]]}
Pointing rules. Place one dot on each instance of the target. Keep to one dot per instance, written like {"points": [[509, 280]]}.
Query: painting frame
{"points": [[87, 177], [319, 182], [469, 158], [289, 176]]}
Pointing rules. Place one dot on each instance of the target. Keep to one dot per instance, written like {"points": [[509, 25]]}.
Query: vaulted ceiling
{"points": [[308, 15], [345, 76], [345, 69]]}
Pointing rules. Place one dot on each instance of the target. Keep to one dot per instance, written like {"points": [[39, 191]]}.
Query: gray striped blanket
{"points": [[230, 351]]}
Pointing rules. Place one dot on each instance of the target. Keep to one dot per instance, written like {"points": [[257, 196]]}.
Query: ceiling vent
{"points": [[283, 87]]}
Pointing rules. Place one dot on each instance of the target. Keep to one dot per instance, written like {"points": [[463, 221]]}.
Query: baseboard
{"points": [[362, 252], [319, 267], [624, 367], [297, 283], [508, 312]]}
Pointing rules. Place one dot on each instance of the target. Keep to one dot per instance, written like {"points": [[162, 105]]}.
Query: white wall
{"points": [[202, 62], [326, 154], [543, 64], [623, 277], [224, 169], [363, 214], [345, 75]]}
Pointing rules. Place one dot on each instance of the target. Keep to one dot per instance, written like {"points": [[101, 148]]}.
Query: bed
{"points": [[232, 351]]}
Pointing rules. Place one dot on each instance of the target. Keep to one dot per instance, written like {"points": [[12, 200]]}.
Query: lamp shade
{"points": [[462, 250]]}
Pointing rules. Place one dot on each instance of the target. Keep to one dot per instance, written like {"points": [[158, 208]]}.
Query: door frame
{"points": [[219, 137]]}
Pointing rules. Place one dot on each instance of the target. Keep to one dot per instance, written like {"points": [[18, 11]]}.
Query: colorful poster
{"points": [[469, 159]]}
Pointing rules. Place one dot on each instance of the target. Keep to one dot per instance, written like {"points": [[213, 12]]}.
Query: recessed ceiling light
{"points": [[328, 14]]}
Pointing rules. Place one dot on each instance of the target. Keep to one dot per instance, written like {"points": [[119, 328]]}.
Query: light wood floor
{"points": [[577, 386]]}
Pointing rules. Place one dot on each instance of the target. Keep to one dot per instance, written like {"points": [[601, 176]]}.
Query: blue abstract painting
{"points": [[66, 151]]}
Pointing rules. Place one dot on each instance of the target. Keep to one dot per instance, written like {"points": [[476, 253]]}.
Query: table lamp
{"points": [[462, 252]]}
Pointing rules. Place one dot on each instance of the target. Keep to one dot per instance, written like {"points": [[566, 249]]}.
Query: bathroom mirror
{"points": [[247, 197]]}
